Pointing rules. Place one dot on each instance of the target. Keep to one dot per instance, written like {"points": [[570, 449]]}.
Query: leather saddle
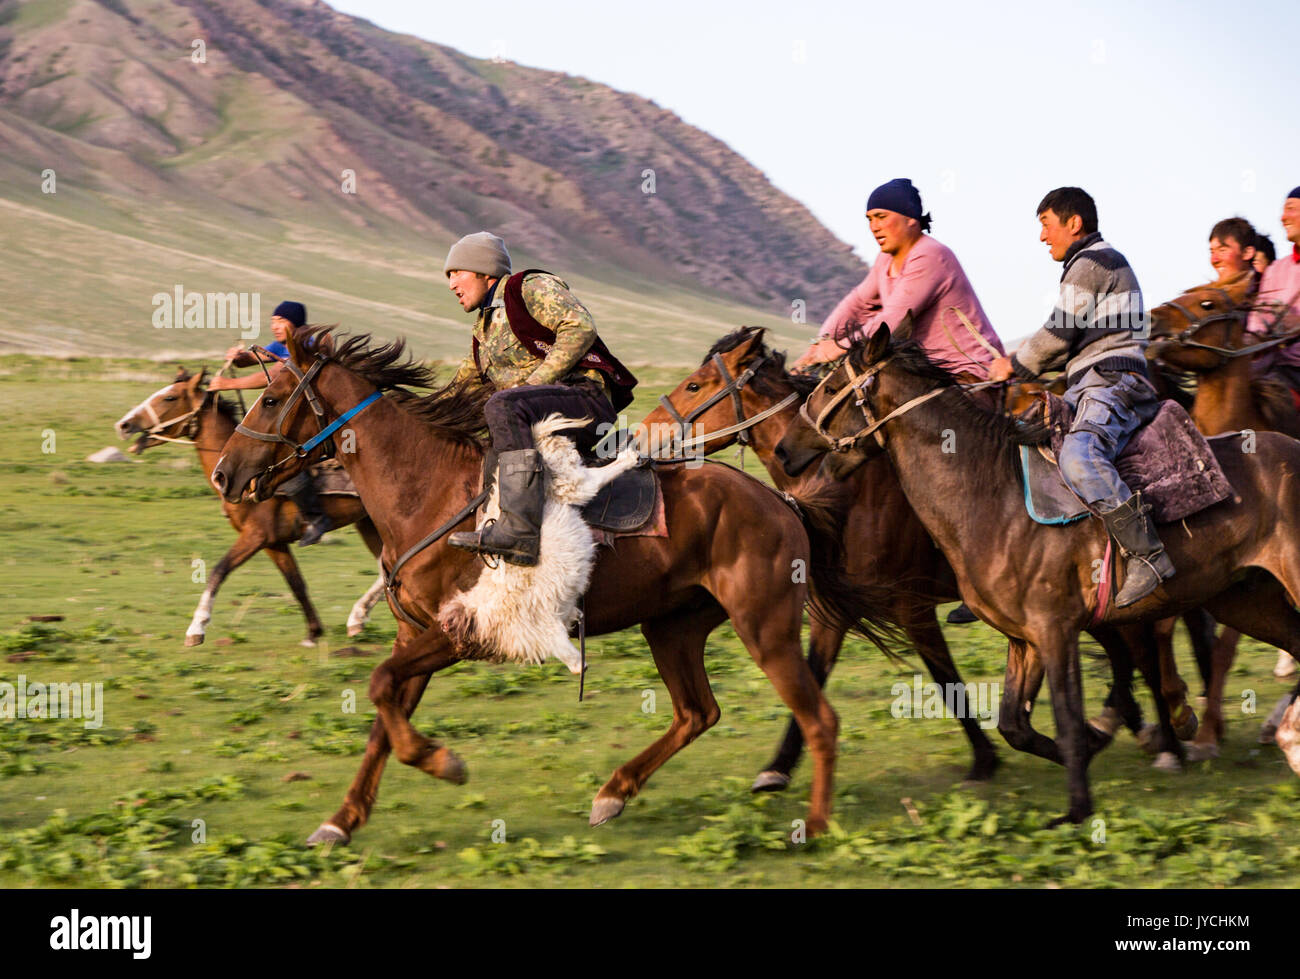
{"points": [[623, 505], [1168, 460]]}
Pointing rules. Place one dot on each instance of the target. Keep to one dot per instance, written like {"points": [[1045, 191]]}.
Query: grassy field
{"points": [[248, 734]]}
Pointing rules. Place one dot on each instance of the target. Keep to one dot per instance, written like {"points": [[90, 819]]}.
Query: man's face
{"points": [[471, 288], [890, 229], [1260, 261], [280, 328], [1291, 220], [1059, 235], [1228, 256]]}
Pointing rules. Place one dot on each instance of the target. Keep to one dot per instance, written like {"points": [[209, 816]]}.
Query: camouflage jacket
{"points": [[507, 363]]}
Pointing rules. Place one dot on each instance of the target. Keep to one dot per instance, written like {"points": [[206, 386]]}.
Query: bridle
{"points": [[1235, 313], [732, 389], [303, 390], [859, 381], [157, 426]]}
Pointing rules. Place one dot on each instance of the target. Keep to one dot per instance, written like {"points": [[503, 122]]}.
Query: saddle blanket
{"points": [[1168, 461]]}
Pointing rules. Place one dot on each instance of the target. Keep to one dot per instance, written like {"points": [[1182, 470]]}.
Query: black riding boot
{"points": [[315, 521], [516, 535], [1148, 564], [961, 615]]}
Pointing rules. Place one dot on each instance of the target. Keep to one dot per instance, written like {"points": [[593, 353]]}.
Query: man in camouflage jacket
{"points": [[536, 346]]}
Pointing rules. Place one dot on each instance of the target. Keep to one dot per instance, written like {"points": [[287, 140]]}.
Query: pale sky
{"points": [[1172, 115]]}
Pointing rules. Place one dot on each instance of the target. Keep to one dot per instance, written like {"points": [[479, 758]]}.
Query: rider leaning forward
{"points": [[1096, 332], [536, 346], [302, 487]]}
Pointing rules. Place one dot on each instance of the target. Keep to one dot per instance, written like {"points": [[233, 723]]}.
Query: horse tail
{"points": [[835, 599]]}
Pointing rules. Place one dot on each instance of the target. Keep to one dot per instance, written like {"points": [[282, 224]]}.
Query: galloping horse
{"points": [[1033, 583], [1203, 332], [418, 467], [743, 391], [185, 412]]}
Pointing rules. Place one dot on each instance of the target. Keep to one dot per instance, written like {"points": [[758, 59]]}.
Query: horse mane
{"points": [[804, 384], [454, 409], [1273, 398], [1005, 432]]}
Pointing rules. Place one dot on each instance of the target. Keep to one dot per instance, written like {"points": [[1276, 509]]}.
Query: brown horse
{"points": [[1033, 583], [1203, 332], [185, 412], [417, 463], [887, 547]]}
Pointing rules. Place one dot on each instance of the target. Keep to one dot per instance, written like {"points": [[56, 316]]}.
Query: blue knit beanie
{"points": [[899, 196], [295, 313], [1294, 193]]}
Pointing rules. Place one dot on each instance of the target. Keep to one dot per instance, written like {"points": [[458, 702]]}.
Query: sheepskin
{"points": [[1288, 735], [523, 615]]}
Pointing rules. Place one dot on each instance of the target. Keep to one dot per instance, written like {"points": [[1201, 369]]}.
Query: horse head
{"points": [[1195, 331], [169, 412]]}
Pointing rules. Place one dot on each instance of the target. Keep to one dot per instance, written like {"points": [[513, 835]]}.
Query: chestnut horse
{"points": [[1033, 583], [185, 412], [418, 464], [887, 547], [1203, 332]]}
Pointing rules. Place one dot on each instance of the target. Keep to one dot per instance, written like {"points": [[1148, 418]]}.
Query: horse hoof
{"points": [[451, 768], [354, 630], [328, 833], [1167, 761], [1148, 738], [770, 781], [604, 808], [1285, 667], [194, 640], [1202, 752], [309, 643], [1268, 734], [1108, 722], [1185, 729]]}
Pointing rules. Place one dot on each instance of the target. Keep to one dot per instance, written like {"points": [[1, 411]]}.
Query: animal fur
{"points": [[520, 614]]}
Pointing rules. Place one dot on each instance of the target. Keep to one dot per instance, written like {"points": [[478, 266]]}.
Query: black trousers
{"points": [[511, 413]]}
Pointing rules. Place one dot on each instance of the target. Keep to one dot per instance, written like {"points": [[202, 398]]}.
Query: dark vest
{"points": [[538, 339]]}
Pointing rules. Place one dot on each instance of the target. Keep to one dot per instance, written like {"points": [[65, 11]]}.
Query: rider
{"points": [[1232, 248], [914, 273], [535, 344], [1265, 253], [1278, 302], [1097, 332], [918, 274], [300, 488]]}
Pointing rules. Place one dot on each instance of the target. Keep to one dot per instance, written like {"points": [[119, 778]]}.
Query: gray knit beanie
{"points": [[480, 252]]}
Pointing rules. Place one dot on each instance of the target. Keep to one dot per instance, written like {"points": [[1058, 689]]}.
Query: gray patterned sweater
{"points": [[1098, 320]]}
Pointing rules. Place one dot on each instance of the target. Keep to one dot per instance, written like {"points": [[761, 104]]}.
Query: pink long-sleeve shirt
{"points": [[931, 283], [1279, 286]]}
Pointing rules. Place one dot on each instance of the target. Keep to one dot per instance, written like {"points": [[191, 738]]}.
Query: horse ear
{"points": [[754, 339], [182, 374], [197, 380], [903, 331], [877, 345]]}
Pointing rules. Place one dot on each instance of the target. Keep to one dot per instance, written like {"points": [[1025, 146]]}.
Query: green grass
{"points": [[211, 733]]}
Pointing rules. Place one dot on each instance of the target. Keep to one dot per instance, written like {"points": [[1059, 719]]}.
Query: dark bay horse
{"points": [[185, 412], [886, 545], [418, 461], [1203, 332], [1034, 583]]}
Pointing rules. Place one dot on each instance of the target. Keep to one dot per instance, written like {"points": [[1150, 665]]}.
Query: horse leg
{"points": [[1201, 627], [427, 653], [360, 613], [1173, 688], [1020, 689], [678, 650], [923, 629], [288, 565], [1120, 707], [1060, 657], [1159, 738], [824, 644], [248, 543], [360, 798], [768, 624], [1261, 610]]}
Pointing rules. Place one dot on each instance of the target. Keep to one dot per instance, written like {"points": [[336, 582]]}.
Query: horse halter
{"points": [[1235, 313], [157, 426], [733, 388], [858, 383], [303, 389]]}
